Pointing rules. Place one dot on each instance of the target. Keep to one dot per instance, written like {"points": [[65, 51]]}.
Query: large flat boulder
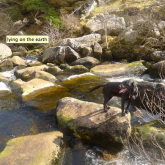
{"points": [[88, 121], [38, 149], [42, 94], [134, 69]]}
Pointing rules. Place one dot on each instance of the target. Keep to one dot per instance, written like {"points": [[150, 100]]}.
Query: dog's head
{"points": [[129, 86]]}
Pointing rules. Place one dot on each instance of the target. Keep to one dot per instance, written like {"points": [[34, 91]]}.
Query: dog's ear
{"points": [[134, 89]]}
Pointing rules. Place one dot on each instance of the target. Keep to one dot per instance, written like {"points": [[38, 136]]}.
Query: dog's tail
{"points": [[96, 87]]}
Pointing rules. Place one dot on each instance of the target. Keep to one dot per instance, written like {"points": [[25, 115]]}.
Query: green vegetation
{"points": [[43, 8], [15, 13]]}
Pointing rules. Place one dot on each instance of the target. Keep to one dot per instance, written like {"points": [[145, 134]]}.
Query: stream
{"points": [[18, 119]]}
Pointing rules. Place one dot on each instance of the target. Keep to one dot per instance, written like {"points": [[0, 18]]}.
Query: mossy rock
{"points": [[146, 133], [42, 94], [38, 149], [87, 121], [134, 68], [120, 51]]}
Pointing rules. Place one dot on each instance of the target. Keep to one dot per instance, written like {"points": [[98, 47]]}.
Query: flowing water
{"points": [[18, 119]]}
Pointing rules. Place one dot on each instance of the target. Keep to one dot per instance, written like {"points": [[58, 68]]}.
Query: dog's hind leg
{"points": [[105, 103]]}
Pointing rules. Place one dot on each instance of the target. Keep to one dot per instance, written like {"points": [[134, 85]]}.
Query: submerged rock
{"points": [[134, 68], [38, 149], [88, 121]]}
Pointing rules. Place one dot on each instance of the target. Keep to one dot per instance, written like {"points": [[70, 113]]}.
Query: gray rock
{"points": [[146, 28], [129, 36], [60, 54], [78, 43], [87, 51], [97, 50], [158, 56], [114, 25], [88, 62]]}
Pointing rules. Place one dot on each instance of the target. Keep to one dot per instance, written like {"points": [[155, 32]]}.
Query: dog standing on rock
{"points": [[127, 90]]}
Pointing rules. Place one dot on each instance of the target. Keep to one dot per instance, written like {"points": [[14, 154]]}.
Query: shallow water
{"points": [[18, 119]]}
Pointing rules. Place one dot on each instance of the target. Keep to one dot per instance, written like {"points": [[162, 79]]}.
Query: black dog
{"points": [[127, 90]]}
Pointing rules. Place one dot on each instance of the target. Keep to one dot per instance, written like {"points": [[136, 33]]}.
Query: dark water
{"points": [[24, 121], [18, 119]]}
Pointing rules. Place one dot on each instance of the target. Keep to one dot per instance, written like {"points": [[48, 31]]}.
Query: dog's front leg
{"points": [[122, 107], [129, 102]]}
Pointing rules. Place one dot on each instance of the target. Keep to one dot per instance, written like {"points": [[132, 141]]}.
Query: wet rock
{"points": [[18, 61], [42, 94], [37, 149], [53, 69], [115, 24], [134, 68], [6, 65], [5, 51], [4, 79], [79, 81], [76, 69], [78, 43], [28, 73], [88, 121], [45, 76], [88, 62], [37, 63], [15, 84]]}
